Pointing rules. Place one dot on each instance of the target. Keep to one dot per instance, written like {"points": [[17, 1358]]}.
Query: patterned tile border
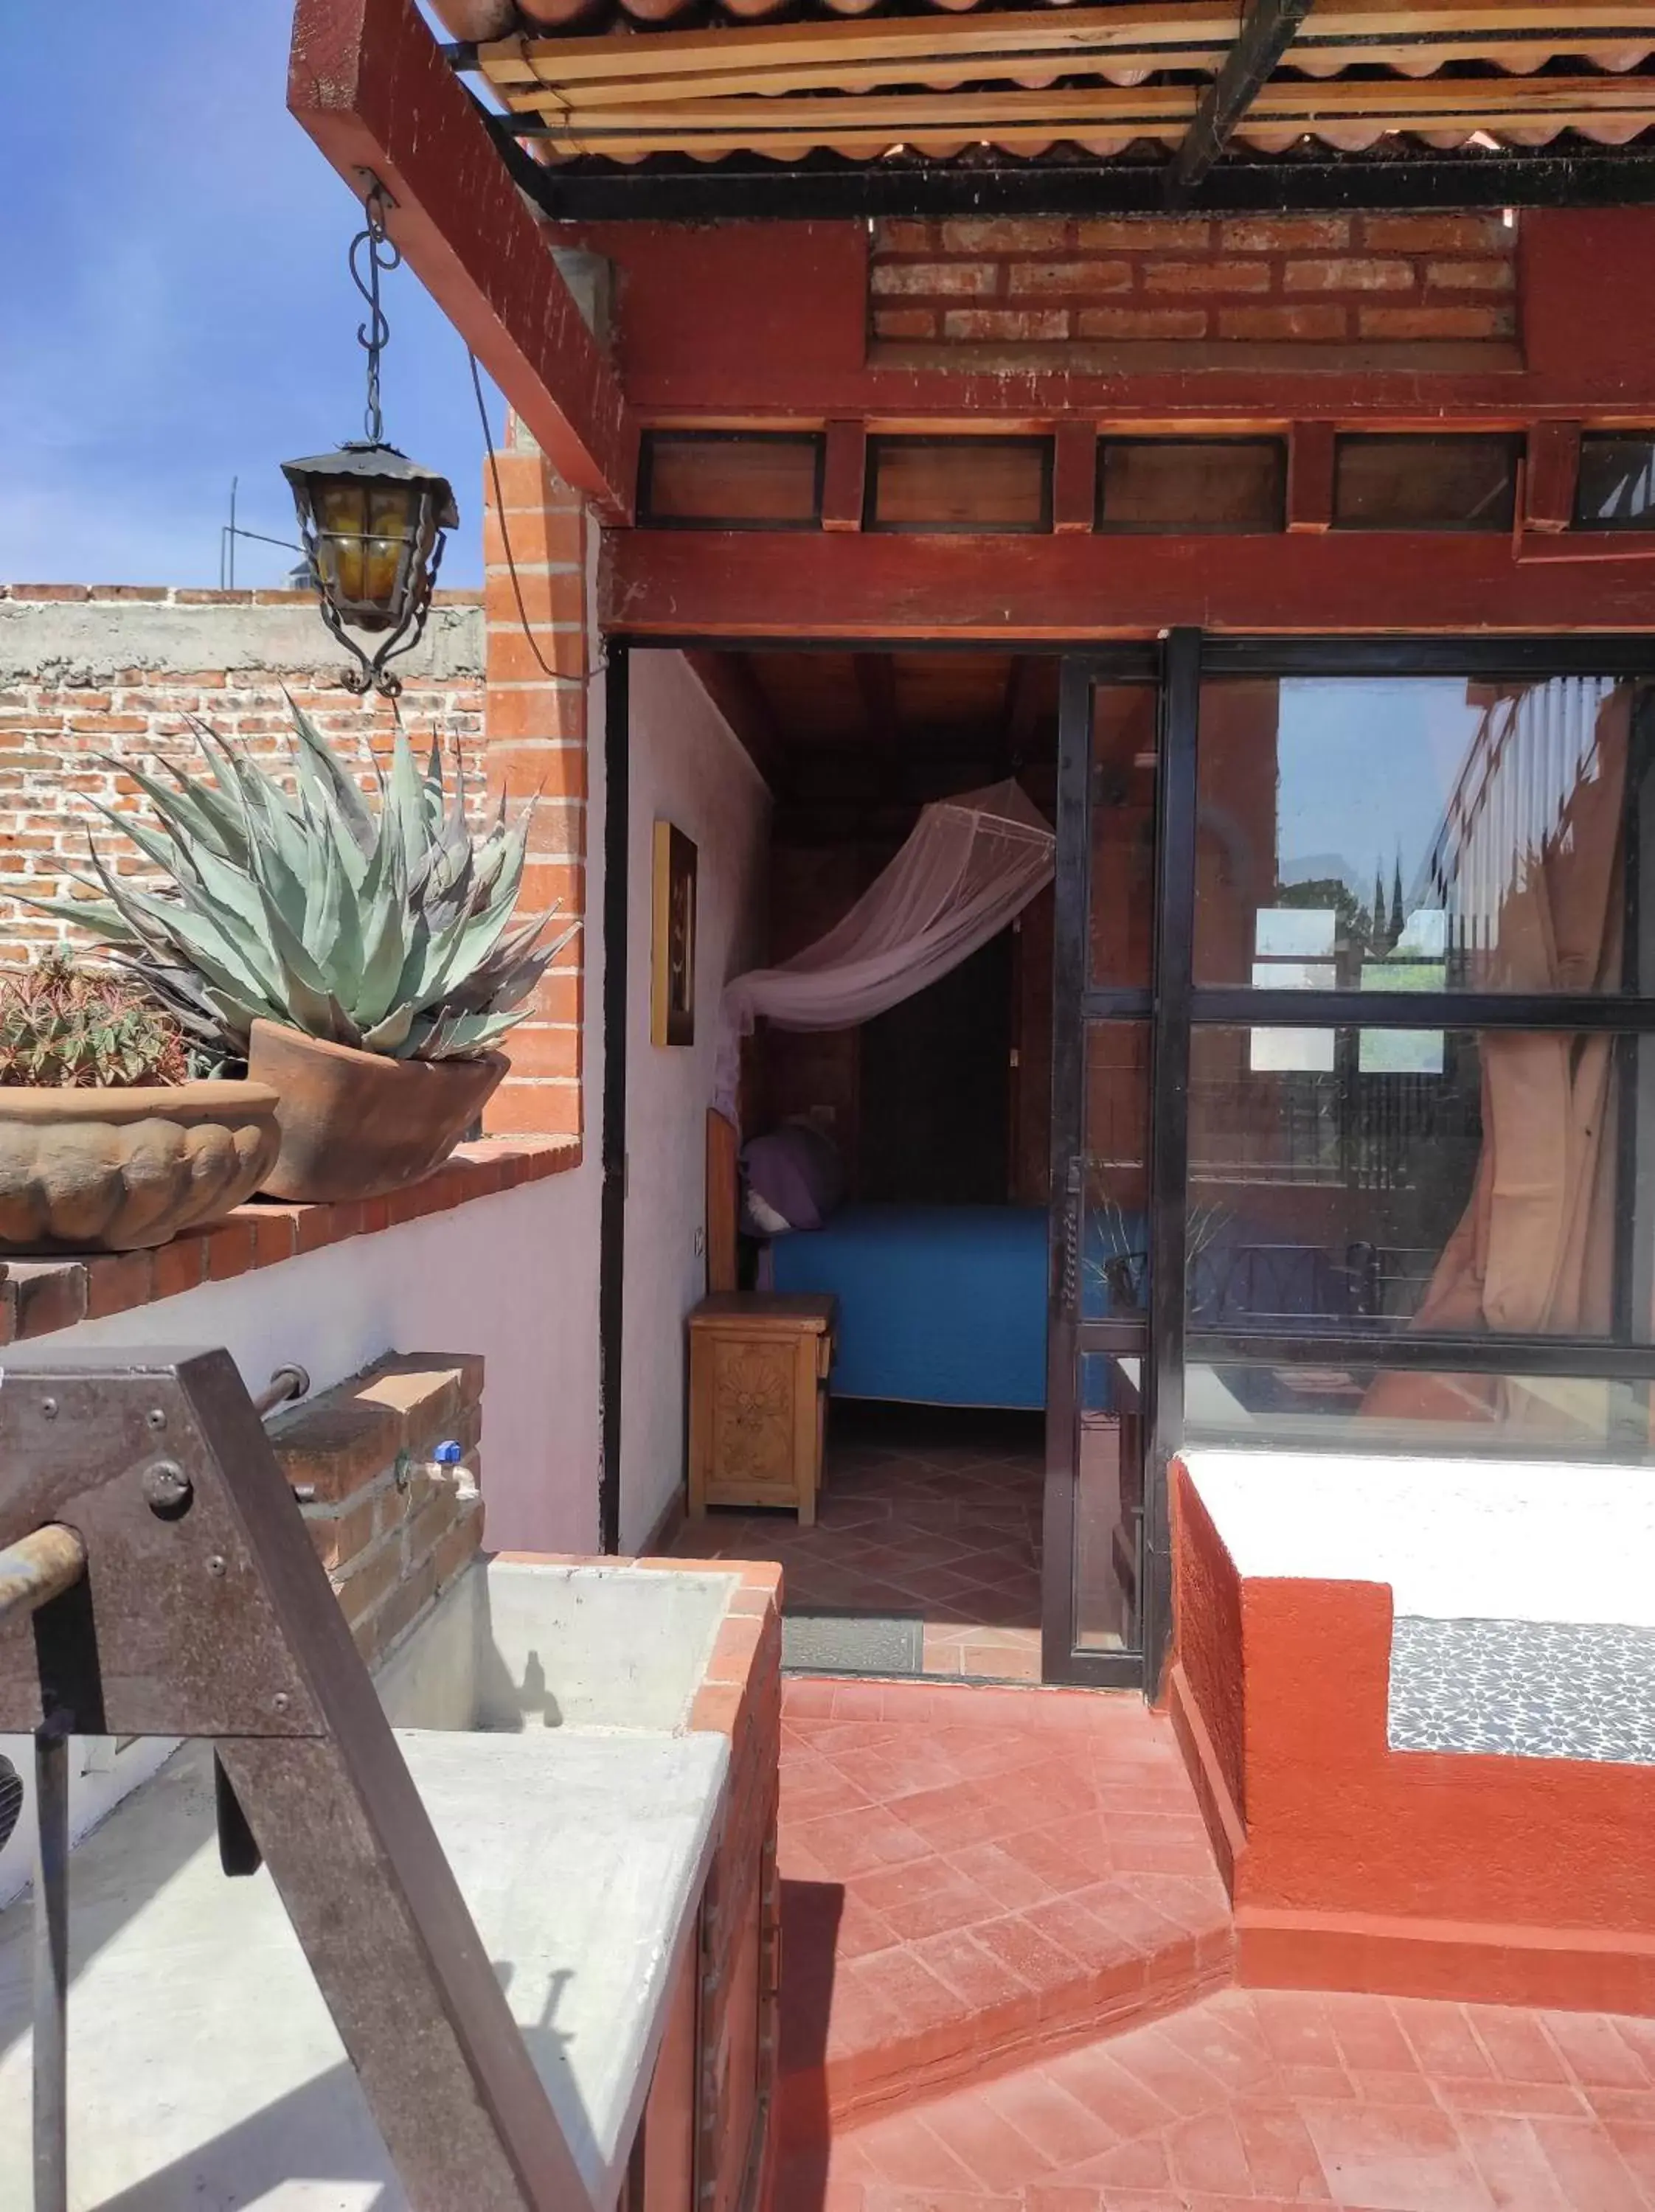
{"points": [[1524, 1689]]}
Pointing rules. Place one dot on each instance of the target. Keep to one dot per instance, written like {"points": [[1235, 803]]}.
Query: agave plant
{"points": [[383, 926]]}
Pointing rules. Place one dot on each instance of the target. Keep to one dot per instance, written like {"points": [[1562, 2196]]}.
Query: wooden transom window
{"points": [[730, 480], [1616, 486], [1430, 482], [958, 484], [1192, 484]]}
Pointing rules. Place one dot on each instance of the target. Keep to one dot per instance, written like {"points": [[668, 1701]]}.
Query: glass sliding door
{"points": [[1353, 1099], [1098, 1336]]}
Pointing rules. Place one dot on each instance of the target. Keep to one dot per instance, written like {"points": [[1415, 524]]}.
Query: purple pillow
{"points": [[793, 1177]]}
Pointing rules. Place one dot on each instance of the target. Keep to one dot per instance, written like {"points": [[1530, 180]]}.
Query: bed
{"points": [[939, 1305]]}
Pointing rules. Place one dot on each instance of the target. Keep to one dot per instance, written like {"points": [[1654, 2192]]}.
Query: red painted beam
{"points": [[692, 583], [366, 79]]}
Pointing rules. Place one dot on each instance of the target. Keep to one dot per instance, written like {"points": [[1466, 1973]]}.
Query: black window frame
{"points": [[1628, 1015], [1631, 524]]}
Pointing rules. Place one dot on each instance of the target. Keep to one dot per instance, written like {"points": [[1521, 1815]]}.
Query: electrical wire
{"points": [[500, 510]]}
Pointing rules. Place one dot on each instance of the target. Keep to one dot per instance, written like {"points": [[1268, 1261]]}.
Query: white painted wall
{"points": [[515, 1277], [688, 769]]}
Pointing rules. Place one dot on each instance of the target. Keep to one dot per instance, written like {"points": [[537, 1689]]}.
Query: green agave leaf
{"points": [[348, 803], [101, 917], [457, 1036], [391, 1034], [384, 936], [405, 793], [185, 820]]}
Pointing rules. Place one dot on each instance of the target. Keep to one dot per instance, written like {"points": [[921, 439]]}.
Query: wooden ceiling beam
{"points": [[370, 83], [1343, 114], [876, 589], [941, 48], [1267, 32]]}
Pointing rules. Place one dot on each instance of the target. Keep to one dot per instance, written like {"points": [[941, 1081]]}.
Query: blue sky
{"points": [[176, 309]]}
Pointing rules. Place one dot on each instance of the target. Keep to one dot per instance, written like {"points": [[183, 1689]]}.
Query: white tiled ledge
{"points": [[1453, 1539]]}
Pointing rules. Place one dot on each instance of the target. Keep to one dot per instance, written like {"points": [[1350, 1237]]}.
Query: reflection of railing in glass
{"points": [[1346, 1129], [1534, 747]]}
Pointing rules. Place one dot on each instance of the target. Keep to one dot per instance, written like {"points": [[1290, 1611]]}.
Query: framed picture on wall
{"points": [[672, 976]]}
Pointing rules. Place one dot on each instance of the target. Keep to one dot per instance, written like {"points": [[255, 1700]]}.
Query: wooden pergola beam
{"points": [[371, 86], [1267, 31]]}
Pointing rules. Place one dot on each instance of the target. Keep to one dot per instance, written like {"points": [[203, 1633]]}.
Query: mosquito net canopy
{"points": [[971, 865]]}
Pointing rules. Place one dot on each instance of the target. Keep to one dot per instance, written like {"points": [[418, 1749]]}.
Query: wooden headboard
{"points": [[723, 1200]]}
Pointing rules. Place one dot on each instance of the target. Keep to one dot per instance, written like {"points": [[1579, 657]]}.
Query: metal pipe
{"points": [[289, 1381], [52, 1966], [40, 1567]]}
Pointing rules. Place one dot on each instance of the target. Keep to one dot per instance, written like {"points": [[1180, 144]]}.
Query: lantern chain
{"points": [[374, 335]]}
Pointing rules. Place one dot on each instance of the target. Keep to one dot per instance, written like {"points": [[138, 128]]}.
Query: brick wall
{"points": [[536, 720], [392, 1529], [741, 1914], [114, 671], [1303, 280]]}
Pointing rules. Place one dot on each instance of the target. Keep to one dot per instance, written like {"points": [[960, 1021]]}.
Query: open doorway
{"points": [[935, 1116]]}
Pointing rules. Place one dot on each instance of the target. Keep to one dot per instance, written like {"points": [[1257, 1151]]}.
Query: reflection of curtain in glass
{"points": [[970, 866], [1533, 1252]]}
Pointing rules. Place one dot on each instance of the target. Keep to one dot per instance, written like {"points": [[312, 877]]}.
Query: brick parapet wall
{"points": [[393, 1528], [93, 677], [40, 1296], [537, 664], [1326, 281]]}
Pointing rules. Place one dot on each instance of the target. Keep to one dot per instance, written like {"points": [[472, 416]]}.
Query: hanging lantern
{"points": [[372, 522]]}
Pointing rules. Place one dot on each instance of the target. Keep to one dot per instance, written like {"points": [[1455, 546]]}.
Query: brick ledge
{"points": [[38, 1297]]}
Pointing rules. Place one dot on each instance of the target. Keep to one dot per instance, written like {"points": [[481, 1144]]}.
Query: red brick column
{"points": [[535, 729]]}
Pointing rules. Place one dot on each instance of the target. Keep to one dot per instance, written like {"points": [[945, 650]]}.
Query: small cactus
{"points": [[67, 1028]]}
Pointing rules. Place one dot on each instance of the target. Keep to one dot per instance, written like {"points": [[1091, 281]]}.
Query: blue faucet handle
{"points": [[447, 1455]]}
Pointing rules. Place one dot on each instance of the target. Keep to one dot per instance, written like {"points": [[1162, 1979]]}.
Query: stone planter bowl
{"points": [[122, 1170], [358, 1124]]}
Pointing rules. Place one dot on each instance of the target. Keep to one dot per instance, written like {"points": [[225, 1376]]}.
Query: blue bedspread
{"points": [[943, 1305]]}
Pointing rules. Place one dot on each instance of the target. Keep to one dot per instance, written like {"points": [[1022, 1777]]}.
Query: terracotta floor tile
{"points": [[1395, 2160], [1517, 2046], [1589, 2168], [987, 2144], [1507, 2156], [1298, 2027], [912, 1520], [1205, 2152], [1281, 2157], [1442, 2037], [1596, 2054], [1065, 2131]]}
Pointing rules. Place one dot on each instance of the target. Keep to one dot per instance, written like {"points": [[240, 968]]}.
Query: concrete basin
{"points": [[543, 1712]]}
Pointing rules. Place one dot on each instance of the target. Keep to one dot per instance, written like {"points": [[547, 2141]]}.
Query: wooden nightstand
{"points": [[758, 1370]]}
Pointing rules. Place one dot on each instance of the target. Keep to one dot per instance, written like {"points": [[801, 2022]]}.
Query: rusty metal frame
{"points": [[204, 1612]]}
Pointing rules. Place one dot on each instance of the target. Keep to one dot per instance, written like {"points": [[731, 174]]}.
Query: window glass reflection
{"points": [[1457, 1181], [1232, 1403], [1415, 833]]}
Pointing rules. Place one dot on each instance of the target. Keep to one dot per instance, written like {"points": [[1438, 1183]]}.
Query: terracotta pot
{"points": [[357, 1124], [121, 1170]]}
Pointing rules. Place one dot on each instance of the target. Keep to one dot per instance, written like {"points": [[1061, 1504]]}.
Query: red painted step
{"points": [[971, 1877]]}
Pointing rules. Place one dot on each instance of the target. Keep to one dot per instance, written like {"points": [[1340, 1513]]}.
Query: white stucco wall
{"points": [[688, 769], [515, 1277]]}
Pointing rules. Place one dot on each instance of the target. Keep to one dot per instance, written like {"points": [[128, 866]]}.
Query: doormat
{"points": [[844, 1643]]}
